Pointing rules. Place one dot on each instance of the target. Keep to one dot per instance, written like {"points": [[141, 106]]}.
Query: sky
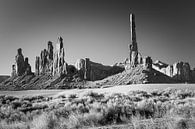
{"points": [[97, 29]]}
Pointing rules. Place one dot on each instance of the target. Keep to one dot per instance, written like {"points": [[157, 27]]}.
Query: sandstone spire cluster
{"points": [[50, 62]]}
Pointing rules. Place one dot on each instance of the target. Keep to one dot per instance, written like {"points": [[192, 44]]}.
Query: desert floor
{"points": [[107, 89]]}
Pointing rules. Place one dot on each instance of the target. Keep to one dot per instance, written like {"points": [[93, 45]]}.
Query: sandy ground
{"points": [[107, 89]]}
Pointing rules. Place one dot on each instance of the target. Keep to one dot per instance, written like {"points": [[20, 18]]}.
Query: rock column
{"points": [[13, 74], [147, 62], [27, 67], [182, 72], [187, 72], [20, 62], [87, 69], [59, 64], [133, 49], [37, 65], [43, 61], [50, 55]]}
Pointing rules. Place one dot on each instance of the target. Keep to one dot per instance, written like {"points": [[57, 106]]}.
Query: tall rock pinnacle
{"points": [[133, 49]]}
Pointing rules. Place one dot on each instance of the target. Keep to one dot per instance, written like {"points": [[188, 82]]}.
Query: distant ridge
{"points": [[3, 77]]}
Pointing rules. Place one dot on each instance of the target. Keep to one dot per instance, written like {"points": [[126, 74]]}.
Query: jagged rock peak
{"points": [[19, 62], [51, 62], [22, 66], [59, 63]]}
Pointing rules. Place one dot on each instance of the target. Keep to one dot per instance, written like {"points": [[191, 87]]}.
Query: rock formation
{"points": [[20, 62], [50, 62], [80, 64], [169, 70], [92, 71], [87, 73], [133, 49], [37, 65], [27, 67], [44, 63], [187, 72], [23, 67], [14, 73], [59, 64], [53, 72], [193, 75], [179, 71], [147, 62]]}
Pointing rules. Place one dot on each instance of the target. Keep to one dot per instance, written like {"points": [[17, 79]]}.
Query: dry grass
{"points": [[167, 109]]}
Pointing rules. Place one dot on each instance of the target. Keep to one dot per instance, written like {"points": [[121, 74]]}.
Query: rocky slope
{"points": [[137, 75]]}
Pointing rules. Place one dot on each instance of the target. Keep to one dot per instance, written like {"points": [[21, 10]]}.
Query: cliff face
{"points": [[93, 71], [179, 71], [21, 66]]}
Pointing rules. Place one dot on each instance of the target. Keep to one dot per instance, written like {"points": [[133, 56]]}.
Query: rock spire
{"points": [[22, 65], [51, 62], [133, 49]]}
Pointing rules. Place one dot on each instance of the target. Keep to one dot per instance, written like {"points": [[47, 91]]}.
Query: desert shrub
{"points": [[2, 97], [45, 121], [16, 104], [61, 96], [16, 116], [163, 98], [113, 114], [15, 125], [95, 95], [35, 106], [78, 101], [74, 121], [181, 124], [182, 94], [91, 119], [26, 104], [10, 98], [96, 107], [160, 109], [156, 93], [183, 110], [169, 92], [140, 94], [145, 108], [40, 105], [62, 112], [83, 109], [72, 96], [33, 98]]}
